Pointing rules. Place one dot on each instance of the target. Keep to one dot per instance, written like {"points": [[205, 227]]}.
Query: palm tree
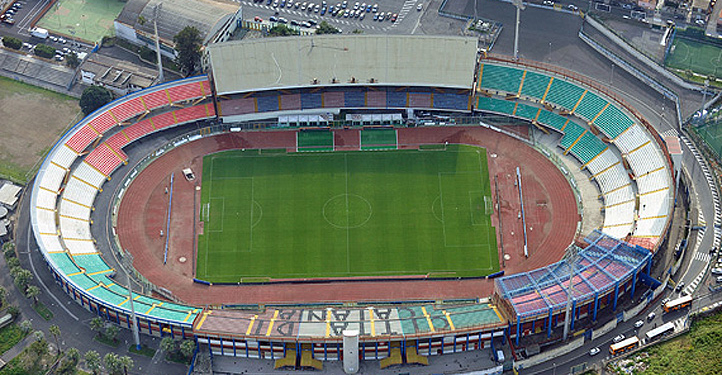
{"points": [[111, 362], [33, 292], [97, 324], [92, 361], [125, 363], [55, 331]]}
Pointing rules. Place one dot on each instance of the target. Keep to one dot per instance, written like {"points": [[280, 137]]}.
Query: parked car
{"points": [[717, 271], [679, 287], [719, 279]]}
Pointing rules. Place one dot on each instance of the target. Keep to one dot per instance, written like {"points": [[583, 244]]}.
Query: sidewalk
{"points": [[17, 349]]}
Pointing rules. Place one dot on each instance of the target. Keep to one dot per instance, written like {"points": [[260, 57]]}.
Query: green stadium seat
{"points": [[613, 121], [535, 85], [495, 105], [552, 120], [526, 112], [502, 78], [571, 132], [564, 94], [590, 106], [588, 147]]}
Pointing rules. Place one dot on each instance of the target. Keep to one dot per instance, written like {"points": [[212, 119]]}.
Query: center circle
{"points": [[347, 211]]}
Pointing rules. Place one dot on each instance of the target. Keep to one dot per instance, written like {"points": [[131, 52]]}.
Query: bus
{"points": [[624, 345], [660, 331], [678, 303]]}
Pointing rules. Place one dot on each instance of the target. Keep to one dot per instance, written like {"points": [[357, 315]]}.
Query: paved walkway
{"points": [[17, 349]]}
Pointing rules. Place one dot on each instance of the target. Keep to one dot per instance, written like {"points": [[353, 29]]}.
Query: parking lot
{"points": [[376, 17]]}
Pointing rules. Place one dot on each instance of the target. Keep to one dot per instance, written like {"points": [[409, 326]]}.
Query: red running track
{"points": [[142, 214]]}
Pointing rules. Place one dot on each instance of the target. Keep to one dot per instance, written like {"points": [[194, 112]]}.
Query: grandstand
{"points": [[597, 129], [67, 243], [604, 270], [573, 98]]}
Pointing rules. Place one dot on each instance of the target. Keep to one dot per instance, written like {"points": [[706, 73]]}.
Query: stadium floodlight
{"points": [[570, 256], [519, 4], [156, 14]]}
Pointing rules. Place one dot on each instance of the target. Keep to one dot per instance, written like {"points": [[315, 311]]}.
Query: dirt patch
{"points": [[32, 120]]}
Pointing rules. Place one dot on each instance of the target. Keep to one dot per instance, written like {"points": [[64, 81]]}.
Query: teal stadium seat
{"points": [[571, 132], [590, 106], [588, 147], [613, 122], [526, 112], [564, 94], [502, 78], [535, 85], [495, 105], [552, 120]]}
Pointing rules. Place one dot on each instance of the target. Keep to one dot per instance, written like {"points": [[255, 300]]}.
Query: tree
{"points": [[188, 45], [54, 330], [13, 263], [187, 348], [13, 43], [9, 250], [325, 28], [112, 364], [33, 292], [72, 60], [168, 345], [3, 294], [93, 98], [44, 50], [281, 30], [22, 277], [39, 348], [97, 324], [92, 361], [13, 310], [111, 331], [26, 326], [69, 363], [126, 363]]}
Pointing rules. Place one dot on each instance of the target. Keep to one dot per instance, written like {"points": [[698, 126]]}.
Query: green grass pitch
{"points": [[701, 58], [346, 214]]}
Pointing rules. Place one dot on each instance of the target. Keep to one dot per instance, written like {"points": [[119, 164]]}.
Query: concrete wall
{"points": [[604, 329], [556, 352]]}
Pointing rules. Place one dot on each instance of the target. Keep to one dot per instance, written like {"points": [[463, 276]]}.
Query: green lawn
{"points": [[343, 214], [697, 352], [379, 138]]}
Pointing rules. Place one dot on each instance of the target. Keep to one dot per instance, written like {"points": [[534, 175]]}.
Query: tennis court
{"points": [[346, 214]]}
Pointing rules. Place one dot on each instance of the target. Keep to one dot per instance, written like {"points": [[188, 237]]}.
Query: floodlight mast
{"points": [[571, 257], [519, 4], [156, 14]]}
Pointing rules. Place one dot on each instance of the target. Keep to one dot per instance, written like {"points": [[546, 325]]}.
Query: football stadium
{"points": [[299, 192]]}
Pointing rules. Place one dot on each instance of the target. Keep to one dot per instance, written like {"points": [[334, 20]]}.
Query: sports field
{"points": [[346, 214], [701, 58], [89, 20]]}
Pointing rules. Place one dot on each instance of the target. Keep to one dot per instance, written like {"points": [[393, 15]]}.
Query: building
{"points": [[119, 76], [212, 18]]}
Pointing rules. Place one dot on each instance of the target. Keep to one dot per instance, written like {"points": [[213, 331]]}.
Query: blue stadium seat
{"points": [[309, 101]]}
